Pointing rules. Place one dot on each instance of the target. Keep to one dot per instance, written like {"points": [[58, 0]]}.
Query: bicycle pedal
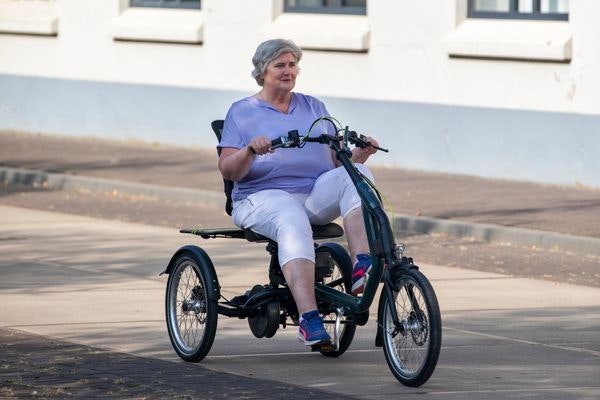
{"points": [[327, 346]]}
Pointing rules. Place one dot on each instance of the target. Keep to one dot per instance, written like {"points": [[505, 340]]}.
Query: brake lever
{"points": [[360, 140]]}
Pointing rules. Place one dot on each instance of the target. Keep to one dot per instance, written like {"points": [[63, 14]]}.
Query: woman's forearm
{"points": [[235, 164]]}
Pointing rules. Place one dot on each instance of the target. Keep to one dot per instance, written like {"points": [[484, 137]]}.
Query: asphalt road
{"points": [[94, 283]]}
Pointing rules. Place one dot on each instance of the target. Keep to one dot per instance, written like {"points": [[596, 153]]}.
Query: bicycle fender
{"points": [[202, 258], [379, 334]]}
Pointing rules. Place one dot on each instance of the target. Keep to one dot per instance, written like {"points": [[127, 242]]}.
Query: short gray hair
{"points": [[268, 51]]}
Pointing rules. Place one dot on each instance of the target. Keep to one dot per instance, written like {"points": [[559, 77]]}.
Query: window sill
{"points": [[28, 18], [323, 31], [159, 25], [511, 39]]}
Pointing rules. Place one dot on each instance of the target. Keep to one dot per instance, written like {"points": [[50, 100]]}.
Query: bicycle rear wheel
{"points": [[339, 278], [412, 348], [191, 314]]}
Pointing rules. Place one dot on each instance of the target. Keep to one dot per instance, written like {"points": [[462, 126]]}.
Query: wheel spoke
{"points": [[339, 278], [335, 281], [190, 321]]}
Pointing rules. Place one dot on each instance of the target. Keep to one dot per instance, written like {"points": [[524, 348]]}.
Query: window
{"points": [[168, 21], [530, 30], [357, 7], [166, 3], [339, 25], [35, 17], [519, 9]]}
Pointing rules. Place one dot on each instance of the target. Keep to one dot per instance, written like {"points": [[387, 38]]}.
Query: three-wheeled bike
{"points": [[409, 326]]}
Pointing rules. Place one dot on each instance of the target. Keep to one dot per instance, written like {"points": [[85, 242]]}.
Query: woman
{"points": [[278, 194]]}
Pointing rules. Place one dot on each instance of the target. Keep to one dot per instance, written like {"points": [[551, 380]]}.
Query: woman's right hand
{"points": [[260, 145]]}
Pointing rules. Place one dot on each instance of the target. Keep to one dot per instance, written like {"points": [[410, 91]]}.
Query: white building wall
{"points": [[508, 118]]}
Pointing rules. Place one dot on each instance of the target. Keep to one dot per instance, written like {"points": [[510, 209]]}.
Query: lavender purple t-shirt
{"points": [[293, 170]]}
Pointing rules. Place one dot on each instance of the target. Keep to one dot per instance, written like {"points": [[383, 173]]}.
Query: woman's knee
{"points": [[295, 241]]}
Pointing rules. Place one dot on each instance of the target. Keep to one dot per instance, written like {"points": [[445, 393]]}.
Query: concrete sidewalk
{"points": [[91, 288], [541, 216]]}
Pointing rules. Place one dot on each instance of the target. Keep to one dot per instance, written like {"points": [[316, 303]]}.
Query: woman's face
{"points": [[280, 74]]}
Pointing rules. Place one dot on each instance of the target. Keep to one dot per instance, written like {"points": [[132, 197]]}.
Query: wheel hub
{"points": [[416, 325], [196, 304]]}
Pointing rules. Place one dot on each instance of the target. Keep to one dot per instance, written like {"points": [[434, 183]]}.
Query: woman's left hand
{"points": [[361, 154]]}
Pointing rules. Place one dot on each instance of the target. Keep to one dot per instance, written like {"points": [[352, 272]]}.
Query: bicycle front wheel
{"points": [[412, 347], [191, 314]]}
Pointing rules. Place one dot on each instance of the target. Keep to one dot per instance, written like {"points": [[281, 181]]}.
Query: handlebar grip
{"points": [[276, 143]]}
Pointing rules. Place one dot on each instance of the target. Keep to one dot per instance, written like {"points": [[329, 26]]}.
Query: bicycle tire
{"points": [[412, 352], [190, 314]]}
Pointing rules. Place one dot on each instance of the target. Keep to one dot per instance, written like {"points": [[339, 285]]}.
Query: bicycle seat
{"points": [[329, 231]]}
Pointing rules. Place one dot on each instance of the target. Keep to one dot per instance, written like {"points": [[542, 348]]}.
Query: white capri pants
{"points": [[286, 217]]}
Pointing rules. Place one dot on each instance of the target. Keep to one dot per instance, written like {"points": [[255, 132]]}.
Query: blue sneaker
{"points": [[311, 330], [360, 273]]}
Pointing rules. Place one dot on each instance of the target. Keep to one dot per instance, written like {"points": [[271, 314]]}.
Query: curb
{"points": [[551, 241], [55, 181]]}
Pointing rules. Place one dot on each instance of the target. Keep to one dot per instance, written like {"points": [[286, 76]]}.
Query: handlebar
{"points": [[293, 139]]}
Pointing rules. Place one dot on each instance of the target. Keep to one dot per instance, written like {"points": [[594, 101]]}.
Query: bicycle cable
{"points": [[338, 128], [330, 119]]}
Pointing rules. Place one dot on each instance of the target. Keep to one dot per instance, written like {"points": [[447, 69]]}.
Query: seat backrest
{"points": [[217, 127]]}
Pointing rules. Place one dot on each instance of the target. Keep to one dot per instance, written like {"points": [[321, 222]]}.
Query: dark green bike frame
{"points": [[380, 237]]}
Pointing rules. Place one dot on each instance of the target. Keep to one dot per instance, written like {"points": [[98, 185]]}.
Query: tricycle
{"points": [[409, 326]]}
